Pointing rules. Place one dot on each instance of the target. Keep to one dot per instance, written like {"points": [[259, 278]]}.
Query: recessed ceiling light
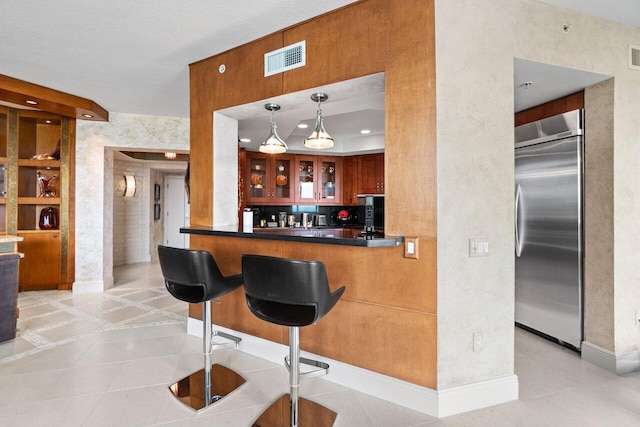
{"points": [[245, 140], [31, 102], [365, 131], [303, 126], [87, 116]]}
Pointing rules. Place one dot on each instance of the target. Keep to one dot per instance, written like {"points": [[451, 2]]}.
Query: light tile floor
{"points": [[107, 360]]}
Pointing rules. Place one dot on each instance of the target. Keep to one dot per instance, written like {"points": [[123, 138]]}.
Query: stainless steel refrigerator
{"points": [[548, 227]]}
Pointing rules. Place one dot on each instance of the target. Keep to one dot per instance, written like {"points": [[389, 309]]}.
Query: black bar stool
{"points": [[291, 293], [193, 276]]}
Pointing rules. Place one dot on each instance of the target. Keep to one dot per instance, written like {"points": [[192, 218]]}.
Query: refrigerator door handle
{"points": [[518, 242]]}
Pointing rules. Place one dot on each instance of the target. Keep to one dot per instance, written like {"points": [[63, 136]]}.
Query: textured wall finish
{"points": [[94, 186], [476, 45], [598, 198], [131, 215]]}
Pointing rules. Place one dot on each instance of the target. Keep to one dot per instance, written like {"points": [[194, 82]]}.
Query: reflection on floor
{"points": [[107, 360]]}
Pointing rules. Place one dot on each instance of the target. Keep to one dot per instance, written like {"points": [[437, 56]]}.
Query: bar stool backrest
{"points": [[287, 292], [193, 275]]}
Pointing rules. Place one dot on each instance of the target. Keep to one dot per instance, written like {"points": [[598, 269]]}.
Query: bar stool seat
{"points": [[293, 293], [194, 277]]}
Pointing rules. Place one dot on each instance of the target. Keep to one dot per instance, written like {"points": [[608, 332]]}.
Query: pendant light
{"points": [[319, 139], [273, 144]]}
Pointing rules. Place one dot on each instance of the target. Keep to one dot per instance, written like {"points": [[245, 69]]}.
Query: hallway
{"points": [[107, 359]]}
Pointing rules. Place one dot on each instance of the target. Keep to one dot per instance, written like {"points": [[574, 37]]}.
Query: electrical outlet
{"points": [[477, 341], [478, 246]]}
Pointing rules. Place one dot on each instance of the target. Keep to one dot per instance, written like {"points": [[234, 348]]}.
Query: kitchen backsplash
{"points": [[336, 215]]}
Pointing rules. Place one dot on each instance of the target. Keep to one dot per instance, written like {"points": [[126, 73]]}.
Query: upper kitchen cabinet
{"points": [[350, 180], [318, 180], [269, 179], [371, 174]]}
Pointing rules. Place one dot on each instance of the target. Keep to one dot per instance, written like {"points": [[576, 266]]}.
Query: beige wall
{"points": [[598, 199], [94, 184], [476, 45]]}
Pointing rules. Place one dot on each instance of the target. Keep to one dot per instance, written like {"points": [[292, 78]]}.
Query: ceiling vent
{"points": [[285, 59], [634, 57]]}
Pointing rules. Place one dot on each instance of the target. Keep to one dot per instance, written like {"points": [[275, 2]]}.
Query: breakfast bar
{"points": [[329, 236]]}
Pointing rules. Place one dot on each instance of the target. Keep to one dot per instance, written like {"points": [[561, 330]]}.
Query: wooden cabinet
{"points": [[39, 179], [318, 180], [269, 179], [371, 174], [40, 267], [37, 154], [350, 181]]}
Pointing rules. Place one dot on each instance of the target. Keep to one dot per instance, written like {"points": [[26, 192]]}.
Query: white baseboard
{"points": [[437, 403], [618, 363]]}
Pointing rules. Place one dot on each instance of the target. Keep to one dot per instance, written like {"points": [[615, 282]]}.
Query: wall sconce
{"points": [[129, 186]]}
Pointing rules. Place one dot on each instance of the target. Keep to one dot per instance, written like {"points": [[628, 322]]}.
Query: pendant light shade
{"points": [[319, 139], [273, 144]]}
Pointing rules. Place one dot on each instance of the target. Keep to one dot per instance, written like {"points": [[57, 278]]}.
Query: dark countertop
{"points": [[324, 235]]}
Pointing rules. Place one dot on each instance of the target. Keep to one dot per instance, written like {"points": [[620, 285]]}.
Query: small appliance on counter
{"points": [[345, 217], [320, 220], [373, 211]]}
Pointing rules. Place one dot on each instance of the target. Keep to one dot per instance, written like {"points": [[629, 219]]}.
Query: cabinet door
{"points": [[258, 178], [371, 174], [40, 267], [305, 183], [281, 184], [329, 180], [350, 180]]}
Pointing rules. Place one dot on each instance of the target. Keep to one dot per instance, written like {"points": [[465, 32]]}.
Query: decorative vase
{"points": [[48, 218]]}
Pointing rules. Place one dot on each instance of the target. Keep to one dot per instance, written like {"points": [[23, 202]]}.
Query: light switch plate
{"points": [[478, 246], [411, 247]]}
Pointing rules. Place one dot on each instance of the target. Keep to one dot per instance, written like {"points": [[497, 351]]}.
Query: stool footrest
{"points": [[321, 367], [232, 340]]}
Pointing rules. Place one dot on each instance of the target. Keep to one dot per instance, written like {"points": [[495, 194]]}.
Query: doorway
{"points": [[175, 212]]}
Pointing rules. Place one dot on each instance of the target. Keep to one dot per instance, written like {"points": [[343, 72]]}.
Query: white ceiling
{"points": [[133, 56]]}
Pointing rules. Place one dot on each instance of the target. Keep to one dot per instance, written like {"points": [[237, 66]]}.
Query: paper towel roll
{"points": [[247, 221]]}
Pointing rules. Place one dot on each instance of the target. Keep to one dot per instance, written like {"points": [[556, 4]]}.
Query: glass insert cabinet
{"points": [[287, 178], [318, 180], [270, 179]]}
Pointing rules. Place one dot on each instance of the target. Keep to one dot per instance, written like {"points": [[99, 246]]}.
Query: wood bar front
{"points": [[386, 321]]}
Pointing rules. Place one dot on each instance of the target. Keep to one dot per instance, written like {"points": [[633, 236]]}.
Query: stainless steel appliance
{"points": [[548, 227]]}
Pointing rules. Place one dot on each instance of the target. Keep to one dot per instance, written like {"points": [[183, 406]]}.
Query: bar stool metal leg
{"points": [[294, 372], [206, 330]]}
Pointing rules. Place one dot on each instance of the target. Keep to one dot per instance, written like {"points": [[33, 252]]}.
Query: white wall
{"points": [[94, 184], [476, 44]]}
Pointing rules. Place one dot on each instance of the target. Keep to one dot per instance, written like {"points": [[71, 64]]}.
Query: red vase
{"points": [[48, 218]]}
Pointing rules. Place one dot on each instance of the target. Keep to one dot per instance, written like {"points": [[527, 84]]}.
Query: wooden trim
{"points": [[571, 102], [17, 91]]}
